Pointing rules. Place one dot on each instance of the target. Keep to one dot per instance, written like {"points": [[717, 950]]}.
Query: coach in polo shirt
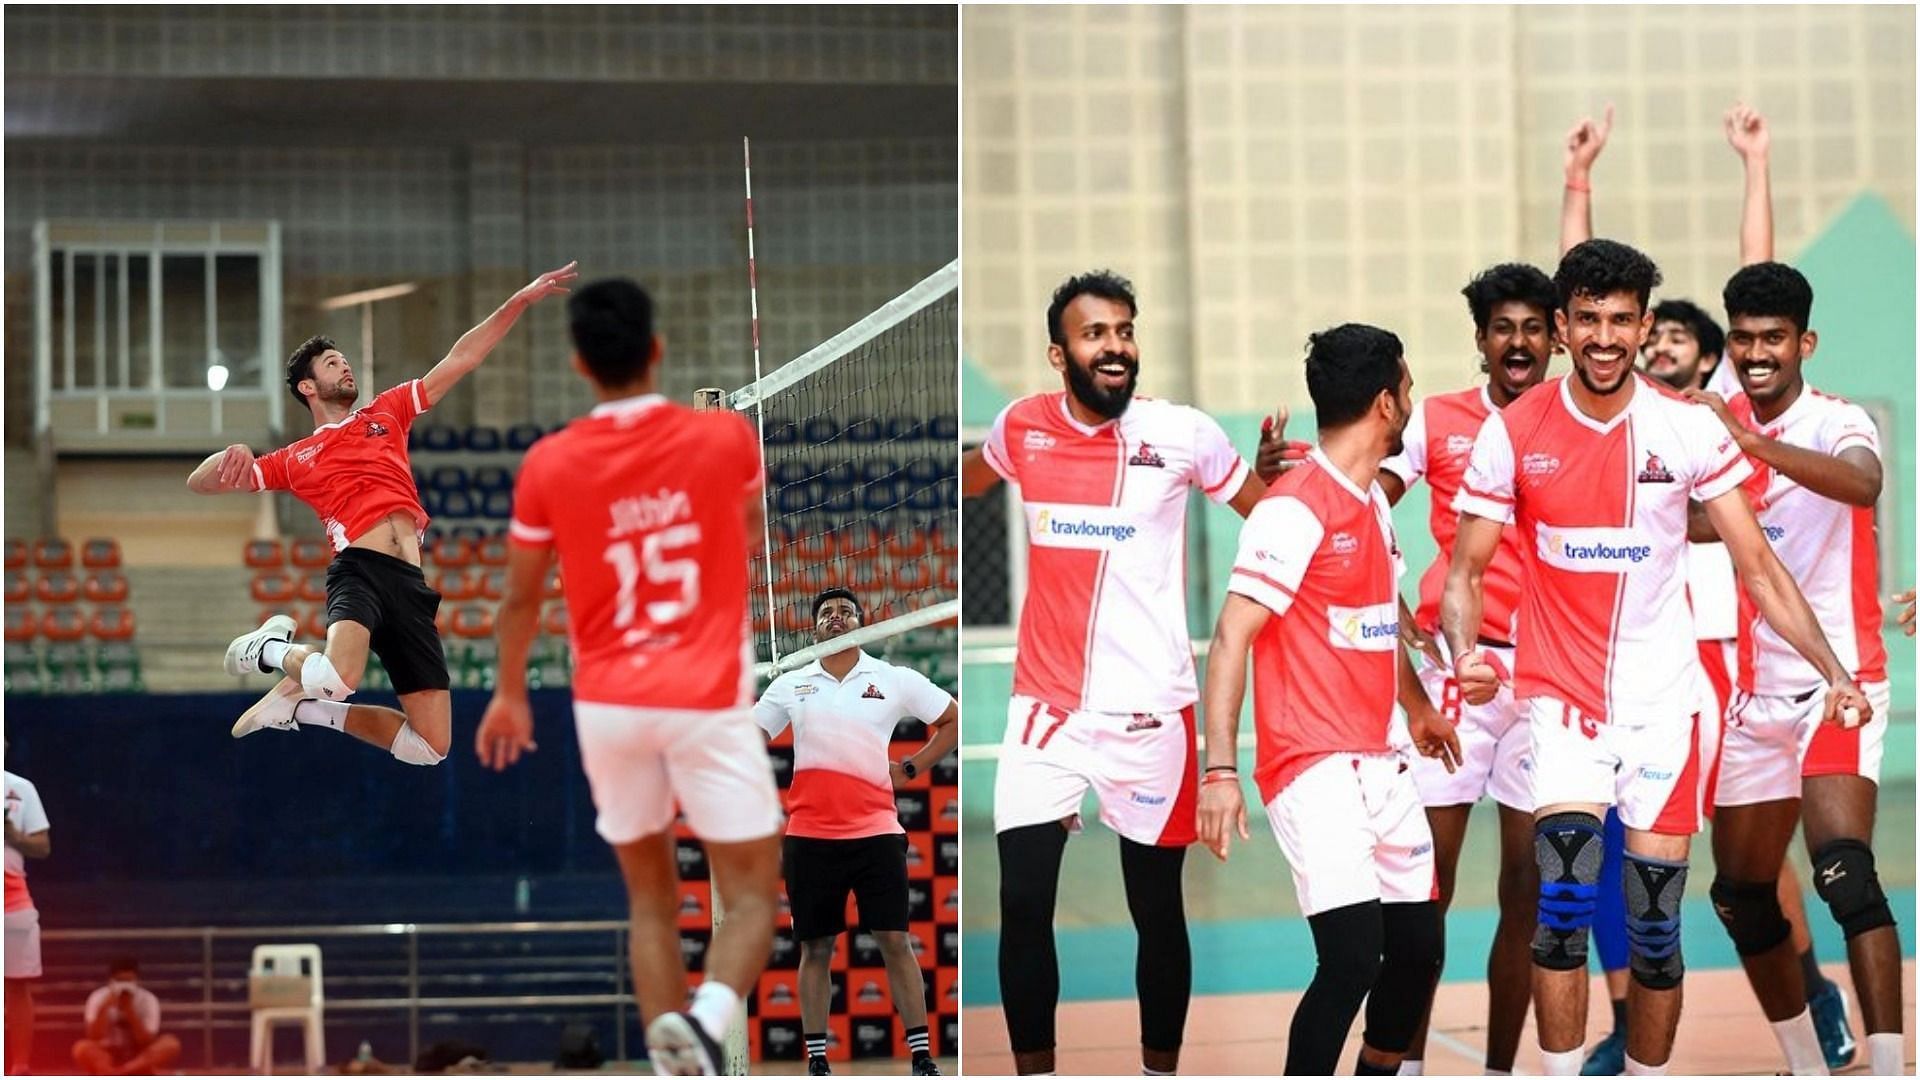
{"points": [[843, 832]]}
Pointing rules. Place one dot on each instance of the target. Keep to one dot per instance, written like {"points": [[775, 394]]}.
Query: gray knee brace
{"points": [[1654, 890], [1568, 848]]}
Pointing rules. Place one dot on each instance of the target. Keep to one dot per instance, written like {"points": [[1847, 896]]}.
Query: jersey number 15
{"points": [[660, 570]]}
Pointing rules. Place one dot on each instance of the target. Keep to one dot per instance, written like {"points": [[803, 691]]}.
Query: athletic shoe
{"points": [[1830, 1012], [925, 1066], [817, 1066], [679, 1046], [275, 710], [1609, 1056], [243, 652]]}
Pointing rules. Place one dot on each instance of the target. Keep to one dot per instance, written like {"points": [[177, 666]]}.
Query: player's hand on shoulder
{"points": [[1277, 453], [236, 468], [506, 732], [1478, 679], [1719, 406]]}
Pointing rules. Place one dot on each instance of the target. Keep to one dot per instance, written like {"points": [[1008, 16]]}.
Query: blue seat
{"points": [[522, 436], [904, 429], [419, 479], [430, 501], [492, 478], [922, 471], [865, 429], [821, 430], [795, 499], [881, 496], [944, 429], [439, 437], [781, 432], [456, 504], [449, 478], [842, 501], [925, 498], [838, 477], [783, 473], [874, 470], [483, 439], [499, 504]]}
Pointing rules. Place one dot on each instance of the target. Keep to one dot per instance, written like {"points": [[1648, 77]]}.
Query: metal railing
{"points": [[620, 1001]]}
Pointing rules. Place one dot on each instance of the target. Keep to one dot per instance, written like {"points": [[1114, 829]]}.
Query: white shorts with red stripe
{"points": [[1651, 772], [639, 762], [1352, 829], [1496, 754], [1774, 741], [1140, 765]]}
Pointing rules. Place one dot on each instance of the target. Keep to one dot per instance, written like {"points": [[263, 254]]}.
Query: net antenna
{"points": [[759, 414]]}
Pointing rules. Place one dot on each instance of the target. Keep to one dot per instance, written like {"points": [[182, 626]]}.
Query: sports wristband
{"points": [[1224, 768], [1571, 186], [907, 766], [1220, 778]]}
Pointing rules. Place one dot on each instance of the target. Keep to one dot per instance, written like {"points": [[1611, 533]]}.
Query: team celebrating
{"points": [[1655, 601]]}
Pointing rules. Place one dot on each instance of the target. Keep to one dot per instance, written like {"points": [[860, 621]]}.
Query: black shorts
{"points": [[391, 598], [820, 873]]}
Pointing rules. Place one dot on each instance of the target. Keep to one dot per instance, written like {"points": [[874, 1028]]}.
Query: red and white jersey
{"points": [[1320, 554], [1104, 623], [1830, 548], [1439, 442], [28, 815], [354, 471], [842, 788], [1602, 509], [1712, 592], [642, 500]]}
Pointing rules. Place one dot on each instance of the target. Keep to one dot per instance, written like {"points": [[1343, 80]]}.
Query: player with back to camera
{"points": [[649, 507], [354, 472]]}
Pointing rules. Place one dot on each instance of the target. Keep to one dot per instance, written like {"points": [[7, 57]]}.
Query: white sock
{"points": [[317, 713], [1563, 1063], [1499, 1072], [1887, 1052], [1144, 1071], [1412, 1067], [273, 652], [715, 1007], [1634, 1068], [1801, 1045]]}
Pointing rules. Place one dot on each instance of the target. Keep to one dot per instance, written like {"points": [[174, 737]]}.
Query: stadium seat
{"points": [[273, 587], [555, 620], [523, 436], [100, 553], [881, 496], [924, 498], [313, 624], [471, 621], [311, 553], [105, 587], [783, 473], [904, 429], [57, 587], [795, 499], [498, 504], [22, 624], [457, 584], [16, 553], [780, 432], [112, 623], [22, 669], [949, 575], [820, 430], [865, 429], [313, 587], [264, 554], [491, 478], [472, 534], [117, 667], [908, 543], [452, 551], [863, 577], [52, 553], [430, 501], [493, 583], [797, 617], [946, 544], [839, 476], [19, 587], [448, 478], [944, 429], [63, 623], [912, 576], [438, 438], [922, 471], [457, 504], [813, 549], [858, 539], [492, 551], [547, 662], [483, 440]]}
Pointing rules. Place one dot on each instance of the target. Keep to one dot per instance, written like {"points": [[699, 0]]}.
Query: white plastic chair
{"points": [[283, 986]]}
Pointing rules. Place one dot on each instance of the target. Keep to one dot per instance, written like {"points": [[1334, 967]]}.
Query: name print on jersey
{"points": [[1593, 551], [1079, 527]]}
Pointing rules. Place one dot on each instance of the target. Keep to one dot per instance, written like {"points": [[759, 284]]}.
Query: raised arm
{"points": [[475, 344], [229, 470], [1584, 144], [1748, 135]]}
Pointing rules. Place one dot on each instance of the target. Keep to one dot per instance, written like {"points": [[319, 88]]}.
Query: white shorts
{"points": [[714, 762], [1773, 741], [23, 944], [1496, 755], [1651, 772], [1141, 765], [1352, 829]]}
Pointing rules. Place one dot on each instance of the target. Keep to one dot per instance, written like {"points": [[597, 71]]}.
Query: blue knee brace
{"points": [[1567, 847], [1654, 888]]}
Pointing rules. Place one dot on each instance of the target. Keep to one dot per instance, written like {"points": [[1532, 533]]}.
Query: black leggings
{"points": [[1385, 954]]}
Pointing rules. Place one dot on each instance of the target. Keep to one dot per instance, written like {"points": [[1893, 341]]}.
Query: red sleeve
{"points": [[406, 401], [755, 471], [531, 526], [270, 472]]}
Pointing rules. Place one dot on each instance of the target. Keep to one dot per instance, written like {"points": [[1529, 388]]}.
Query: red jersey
{"points": [[1439, 443], [1321, 555], [641, 498], [354, 471]]}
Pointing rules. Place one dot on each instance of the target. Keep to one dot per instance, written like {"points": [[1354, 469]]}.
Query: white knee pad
{"points": [[409, 747], [318, 679]]}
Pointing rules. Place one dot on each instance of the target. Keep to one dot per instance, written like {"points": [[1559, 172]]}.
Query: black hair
{"points": [[300, 364], [1600, 268], [838, 592], [1104, 284], [612, 326], [1347, 368], [123, 962], [1497, 285], [1698, 323], [1770, 289]]}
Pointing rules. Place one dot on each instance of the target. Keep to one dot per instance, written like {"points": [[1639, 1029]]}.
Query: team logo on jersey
{"points": [[1148, 800], [1539, 465], [1345, 543], [1459, 445], [1086, 527], [1037, 441], [805, 689], [376, 429], [1775, 533], [1142, 722], [308, 454], [1655, 471], [1592, 551], [1146, 456], [1374, 628], [873, 692]]}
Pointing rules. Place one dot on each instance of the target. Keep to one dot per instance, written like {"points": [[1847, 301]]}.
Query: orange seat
{"points": [[457, 584], [63, 624], [472, 621], [105, 587], [811, 550], [57, 587], [314, 625], [452, 551], [313, 588], [857, 540], [912, 576], [310, 553], [22, 625], [16, 553], [111, 624], [907, 544], [265, 554], [100, 553], [949, 575], [796, 617], [493, 584], [273, 587], [863, 577], [493, 551], [555, 620], [52, 553], [945, 543], [19, 587]]}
